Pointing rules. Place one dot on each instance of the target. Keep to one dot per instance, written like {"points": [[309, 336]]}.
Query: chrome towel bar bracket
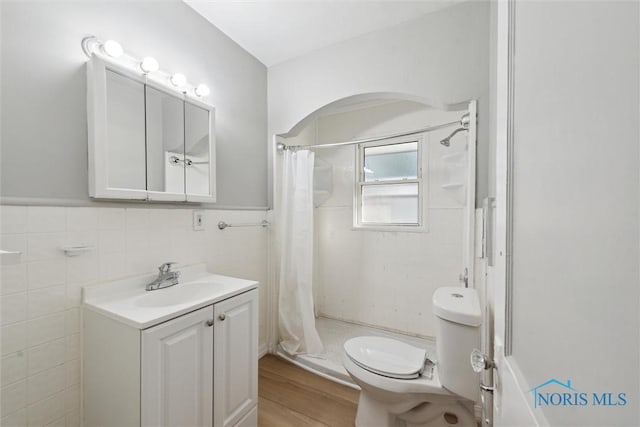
{"points": [[222, 225]]}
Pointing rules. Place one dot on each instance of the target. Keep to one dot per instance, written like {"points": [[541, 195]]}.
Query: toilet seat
{"points": [[387, 357], [420, 385]]}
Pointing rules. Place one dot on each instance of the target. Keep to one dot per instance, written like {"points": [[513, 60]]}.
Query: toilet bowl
{"points": [[400, 386]]}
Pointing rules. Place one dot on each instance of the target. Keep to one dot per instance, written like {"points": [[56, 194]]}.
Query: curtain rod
{"points": [[281, 146]]}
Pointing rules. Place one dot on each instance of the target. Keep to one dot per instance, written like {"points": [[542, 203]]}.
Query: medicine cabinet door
{"points": [[115, 118], [165, 145], [125, 147], [199, 152]]}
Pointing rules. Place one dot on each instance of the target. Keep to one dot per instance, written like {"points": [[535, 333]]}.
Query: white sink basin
{"points": [[127, 300], [182, 293]]}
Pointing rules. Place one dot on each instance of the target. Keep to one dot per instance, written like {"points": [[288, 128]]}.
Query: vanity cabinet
{"points": [[177, 371], [235, 368], [198, 369], [146, 139]]}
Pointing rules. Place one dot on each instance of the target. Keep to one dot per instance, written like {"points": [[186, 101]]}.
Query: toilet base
{"points": [[372, 413]]}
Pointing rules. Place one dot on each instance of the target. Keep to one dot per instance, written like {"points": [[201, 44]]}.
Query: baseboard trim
{"points": [[262, 350], [288, 358]]}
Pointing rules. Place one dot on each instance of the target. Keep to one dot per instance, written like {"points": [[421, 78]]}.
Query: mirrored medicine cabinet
{"points": [[146, 140]]}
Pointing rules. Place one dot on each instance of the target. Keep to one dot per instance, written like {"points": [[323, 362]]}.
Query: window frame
{"points": [[360, 183]]}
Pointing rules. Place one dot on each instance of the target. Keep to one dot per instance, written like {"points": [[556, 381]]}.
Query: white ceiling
{"points": [[274, 31]]}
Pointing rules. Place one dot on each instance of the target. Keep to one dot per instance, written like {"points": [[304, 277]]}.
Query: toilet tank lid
{"points": [[459, 305]]}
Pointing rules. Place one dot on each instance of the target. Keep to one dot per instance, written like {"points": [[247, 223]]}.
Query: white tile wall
{"points": [[40, 295], [385, 279]]}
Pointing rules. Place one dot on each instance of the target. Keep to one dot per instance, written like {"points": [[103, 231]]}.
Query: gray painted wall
{"points": [[441, 58], [44, 129], [576, 198]]}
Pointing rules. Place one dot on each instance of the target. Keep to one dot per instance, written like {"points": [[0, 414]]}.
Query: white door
{"points": [[510, 404], [177, 371], [235, 358]]}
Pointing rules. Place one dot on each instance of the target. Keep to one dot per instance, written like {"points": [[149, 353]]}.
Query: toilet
{"points": [[401, 387]]}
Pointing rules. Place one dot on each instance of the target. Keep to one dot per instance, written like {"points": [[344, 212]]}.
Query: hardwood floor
{"points": [[289, 396]]}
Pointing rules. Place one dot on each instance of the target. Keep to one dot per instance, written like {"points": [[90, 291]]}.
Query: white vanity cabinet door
{"points": [[177, 371], [236, 358]]}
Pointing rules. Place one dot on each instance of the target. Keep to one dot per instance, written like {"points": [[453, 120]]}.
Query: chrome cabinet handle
{"points": [[222, 317], [210, 322]]}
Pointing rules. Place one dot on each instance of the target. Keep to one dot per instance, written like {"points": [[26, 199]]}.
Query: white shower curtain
{"points": [[296, 319]]}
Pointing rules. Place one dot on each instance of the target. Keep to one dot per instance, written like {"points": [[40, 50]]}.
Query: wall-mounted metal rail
{"points": [[264, 223]]}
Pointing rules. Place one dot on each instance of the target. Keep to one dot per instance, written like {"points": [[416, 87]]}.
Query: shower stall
{"points": [[374, 208]]}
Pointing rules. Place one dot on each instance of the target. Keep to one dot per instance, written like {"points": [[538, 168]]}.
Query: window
{"points": [[389, 185]]}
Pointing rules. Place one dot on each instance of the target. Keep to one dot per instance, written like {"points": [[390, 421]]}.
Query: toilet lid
{"points": [[385, 356]]}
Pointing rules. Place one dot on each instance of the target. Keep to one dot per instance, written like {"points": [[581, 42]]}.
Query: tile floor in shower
{"points": [[334, 333]]}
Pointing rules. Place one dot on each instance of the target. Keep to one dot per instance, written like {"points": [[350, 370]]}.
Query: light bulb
{"points": [[178, 80], [112, 48], [202, 90], [149, 65]]}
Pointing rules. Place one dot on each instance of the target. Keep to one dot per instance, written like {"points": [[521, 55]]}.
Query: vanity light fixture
{"points": [[178, 80], [149, 65], [202, 90], [112, 48]]}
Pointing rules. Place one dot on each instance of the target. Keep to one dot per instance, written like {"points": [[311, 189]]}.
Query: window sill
{"points": [[392, 228]]}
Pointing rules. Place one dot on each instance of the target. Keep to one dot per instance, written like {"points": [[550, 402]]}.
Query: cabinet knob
{"points": [[210, 322], [222, 317]]}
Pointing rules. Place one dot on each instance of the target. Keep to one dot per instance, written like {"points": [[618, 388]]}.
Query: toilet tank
{"points": [[458, 321]]}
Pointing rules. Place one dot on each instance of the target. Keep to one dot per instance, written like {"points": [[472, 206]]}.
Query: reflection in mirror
{"points": [[125, 132], [165, 142], [197, 156]]}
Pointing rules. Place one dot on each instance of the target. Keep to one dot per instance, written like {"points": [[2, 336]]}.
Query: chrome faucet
{"points": [[165, 278]]}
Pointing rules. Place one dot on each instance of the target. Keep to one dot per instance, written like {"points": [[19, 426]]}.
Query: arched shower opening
{"points": [[364, 278]]}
